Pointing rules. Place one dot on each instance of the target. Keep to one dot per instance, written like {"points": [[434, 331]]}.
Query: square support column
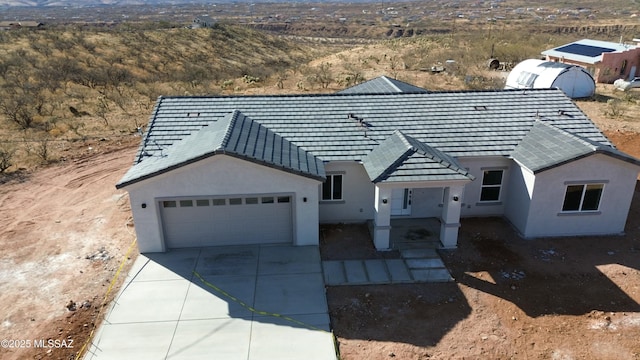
{"points": [[450, 220], [382, 220]]}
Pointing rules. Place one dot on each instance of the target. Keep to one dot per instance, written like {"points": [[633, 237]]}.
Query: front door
{"points": [[401, 202]]}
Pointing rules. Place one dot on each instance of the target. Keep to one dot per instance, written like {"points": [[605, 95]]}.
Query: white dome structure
{"points": [[573, 80]]}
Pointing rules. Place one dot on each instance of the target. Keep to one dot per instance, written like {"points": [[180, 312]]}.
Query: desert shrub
{"points": [[6, 156]]}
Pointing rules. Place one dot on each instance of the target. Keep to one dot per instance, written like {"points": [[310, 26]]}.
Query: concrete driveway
{"points": [[171, 306]]}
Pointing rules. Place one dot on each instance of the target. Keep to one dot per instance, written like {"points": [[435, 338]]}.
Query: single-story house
{"points": [[606, 61], [10, 25], [575, 81], [266, 169]]}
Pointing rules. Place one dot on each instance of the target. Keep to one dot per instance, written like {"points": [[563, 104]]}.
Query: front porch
{"points": [[415, 234], [413, 259]]}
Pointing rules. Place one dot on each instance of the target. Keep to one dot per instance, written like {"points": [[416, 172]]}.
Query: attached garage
{"points": [[210, 221], [233, 182]]}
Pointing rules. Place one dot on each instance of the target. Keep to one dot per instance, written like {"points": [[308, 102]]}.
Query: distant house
{"points": [[606, 61], [12, 25], [575, 81], [203, 22], [222, 170]]}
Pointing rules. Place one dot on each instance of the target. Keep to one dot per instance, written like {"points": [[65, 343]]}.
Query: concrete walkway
{"points": [[232, 302], [416, 265]]}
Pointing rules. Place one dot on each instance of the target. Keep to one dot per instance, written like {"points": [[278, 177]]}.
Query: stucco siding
{"points": [[471, 204], [222, 175], [426, 202], [520, 193], [545, 214], [357, 204]]}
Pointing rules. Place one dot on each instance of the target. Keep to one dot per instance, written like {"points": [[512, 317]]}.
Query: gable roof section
{"points": [[461, 124], [546, 147], [383, 85], [235, 135], [586, 50], [403, 158]]}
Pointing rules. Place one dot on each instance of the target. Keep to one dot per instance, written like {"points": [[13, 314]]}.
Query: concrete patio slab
{"points": [[215, 303], [291, 294], [209, 339], [398, 270], [355, 271], [418, 253], [424, 263], [203, 302], [431, 275], [290, 342], [377, 270], [284, 259], [228, 260], [178, 264], [118, 341], [334, 272], [140, 302]]}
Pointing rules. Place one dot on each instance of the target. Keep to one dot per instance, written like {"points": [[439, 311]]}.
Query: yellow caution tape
{"points": [[254, 310]]}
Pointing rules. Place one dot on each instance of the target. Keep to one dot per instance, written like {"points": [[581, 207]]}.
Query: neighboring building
{"points": [[12, 25], [203, 22], [215, 170], [606, 61], [383, 85], [575, 81]]}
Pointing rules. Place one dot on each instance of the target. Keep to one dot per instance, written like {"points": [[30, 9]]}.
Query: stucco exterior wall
{"points": [[357, 203], [471, 205], [520, 194], [426, 202], [222, 175], [545, 217]]}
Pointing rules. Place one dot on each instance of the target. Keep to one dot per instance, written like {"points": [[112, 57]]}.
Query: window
{"points": [[491, 185], [251, 200], [202, 202], [332, 188], [169, 204], [582, 197], [186, 203], [283, 199], [218, 202], [267, 200], [235, 201]]}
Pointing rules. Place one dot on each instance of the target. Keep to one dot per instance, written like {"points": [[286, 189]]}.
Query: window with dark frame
{"points": [[582, 197], [332, 187], [491, 185]]}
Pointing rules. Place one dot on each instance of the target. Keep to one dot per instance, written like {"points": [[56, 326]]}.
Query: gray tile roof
{"points": [[546, 147], [235, 135], [347, 127], [382, 85], [403, 158]]}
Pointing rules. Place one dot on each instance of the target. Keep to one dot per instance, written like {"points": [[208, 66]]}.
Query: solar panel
{"points": [[584, 50]]}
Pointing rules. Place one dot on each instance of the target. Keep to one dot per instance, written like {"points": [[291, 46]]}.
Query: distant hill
{"points": [[92, 3]]}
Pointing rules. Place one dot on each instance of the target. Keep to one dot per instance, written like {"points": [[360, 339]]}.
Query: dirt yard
{"points": [[563, 298], [65, 230]]}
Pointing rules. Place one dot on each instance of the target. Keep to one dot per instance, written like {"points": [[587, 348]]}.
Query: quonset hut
{"points": [[574, 81]]}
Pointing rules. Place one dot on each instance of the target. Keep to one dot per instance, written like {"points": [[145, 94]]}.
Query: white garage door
{"points": [[201, 221]]}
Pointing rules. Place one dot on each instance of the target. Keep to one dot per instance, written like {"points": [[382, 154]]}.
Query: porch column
{"points": [[382, 220], [450, 221]]}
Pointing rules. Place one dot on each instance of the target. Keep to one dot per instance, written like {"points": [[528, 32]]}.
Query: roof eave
{"points": [[124, 184]]}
